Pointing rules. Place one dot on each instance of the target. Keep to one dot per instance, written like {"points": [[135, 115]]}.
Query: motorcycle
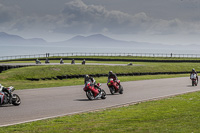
{"points": [[93, 92], [38, 62], [61, 61], [115, 86], [193, 77], [6, 98], [83, 62], [73, 61]]}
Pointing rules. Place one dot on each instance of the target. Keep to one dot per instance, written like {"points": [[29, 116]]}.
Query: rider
{"points": [[92, 81], [3, 89], [194, 72], [112, 75], [73, 61]]}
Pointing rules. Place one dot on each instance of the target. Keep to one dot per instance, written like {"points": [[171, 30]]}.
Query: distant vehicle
{"points": [[47, 61], [93, 92], [6, 98], [61, 61], [115, 86], [83, 62], [37, 61], [73, 61]]}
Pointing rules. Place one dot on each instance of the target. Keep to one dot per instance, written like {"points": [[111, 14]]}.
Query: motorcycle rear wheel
{"points": [[90, 95], [16, 100]]}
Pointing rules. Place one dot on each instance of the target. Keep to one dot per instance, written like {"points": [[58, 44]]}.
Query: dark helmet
{"points": [[193, 70], [86, 76], [110, 72]]}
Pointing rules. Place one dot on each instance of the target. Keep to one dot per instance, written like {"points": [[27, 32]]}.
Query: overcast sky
{"points": [[161, 21]]}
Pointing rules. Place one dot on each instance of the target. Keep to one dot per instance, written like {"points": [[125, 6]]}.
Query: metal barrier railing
{"points": [[100, 54]]}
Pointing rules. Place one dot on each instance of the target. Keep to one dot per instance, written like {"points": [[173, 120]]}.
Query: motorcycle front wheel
{"points": [[112, 90], [103, 94], [121, 89], [90, 95], [16, 100]]}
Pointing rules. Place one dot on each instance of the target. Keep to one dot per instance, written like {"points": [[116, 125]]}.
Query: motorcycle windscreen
{"points": [[193, 76], [1, 97]]}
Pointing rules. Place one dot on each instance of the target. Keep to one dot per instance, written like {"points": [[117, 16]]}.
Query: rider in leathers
{"points": [[193, 71], [112, 75], [3, 89], [92, 81]]}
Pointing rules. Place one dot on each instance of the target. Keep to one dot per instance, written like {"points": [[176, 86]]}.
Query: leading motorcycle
{"points": [[9, 98], [115, 86], [94, 92], [193, 77]]}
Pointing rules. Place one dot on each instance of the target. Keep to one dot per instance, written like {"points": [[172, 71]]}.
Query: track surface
{"points": [[59, 101]]}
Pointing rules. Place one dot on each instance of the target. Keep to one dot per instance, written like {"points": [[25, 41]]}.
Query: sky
{"points": [[157, 21]]}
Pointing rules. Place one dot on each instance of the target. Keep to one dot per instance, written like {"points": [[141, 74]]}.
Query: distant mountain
{"points": [[93, 38], [97, 40], [8, 39]]}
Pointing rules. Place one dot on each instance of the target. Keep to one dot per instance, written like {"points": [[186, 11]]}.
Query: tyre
{"points": [[103, 94], [90, 95], [112, 90], [16, 100], [121, 90]]}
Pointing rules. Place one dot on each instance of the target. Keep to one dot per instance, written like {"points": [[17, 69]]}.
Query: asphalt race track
{"points": [[45, 103]]}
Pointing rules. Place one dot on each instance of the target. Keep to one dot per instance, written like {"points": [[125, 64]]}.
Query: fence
{"points": [[100, 54]]}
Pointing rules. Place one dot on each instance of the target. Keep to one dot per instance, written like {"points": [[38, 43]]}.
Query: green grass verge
{"points": [[175, 114]]}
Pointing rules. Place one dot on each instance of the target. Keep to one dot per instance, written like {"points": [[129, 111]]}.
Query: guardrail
{"points": [[100, 54]]}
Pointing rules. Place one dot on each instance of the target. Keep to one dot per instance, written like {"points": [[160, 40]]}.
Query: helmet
{"points": [[86, 76], [110, 72], [1, 87], [193, 70]]}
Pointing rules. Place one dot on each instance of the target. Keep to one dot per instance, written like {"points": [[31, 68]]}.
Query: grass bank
{"points": [[170, 115], [59, 70], [26, 84]]}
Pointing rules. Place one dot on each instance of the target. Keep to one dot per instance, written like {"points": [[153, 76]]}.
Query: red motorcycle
{"points": [[115, 86], [94, 92]]}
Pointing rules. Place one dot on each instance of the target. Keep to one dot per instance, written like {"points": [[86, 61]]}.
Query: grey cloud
{"points": [[80, 18], [98, 19], [7, 14]]}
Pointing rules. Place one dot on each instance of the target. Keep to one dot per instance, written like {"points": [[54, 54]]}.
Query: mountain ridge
{"points": [[94, 40]]}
